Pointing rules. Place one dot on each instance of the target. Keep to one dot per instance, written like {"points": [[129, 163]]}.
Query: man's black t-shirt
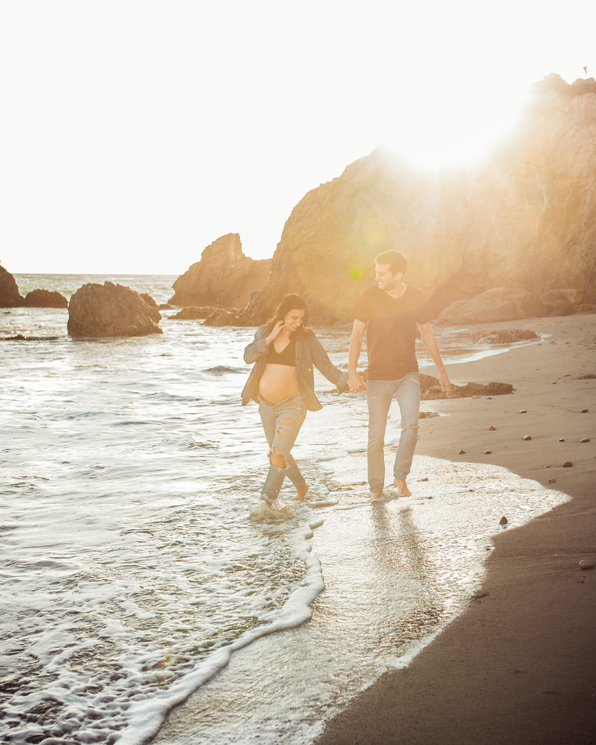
{"points": [[391, 331]]}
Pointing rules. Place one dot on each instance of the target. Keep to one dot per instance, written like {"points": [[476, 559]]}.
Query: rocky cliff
{"points": [[223, 278], [523, 218]]}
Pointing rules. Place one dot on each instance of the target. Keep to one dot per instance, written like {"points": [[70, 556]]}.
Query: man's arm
{"points": [[355, 382], [430, 343]]}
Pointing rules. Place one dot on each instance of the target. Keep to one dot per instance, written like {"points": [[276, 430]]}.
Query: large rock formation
{"points": [[522, 219], [111, 310], [223, 278], [10, 297]]}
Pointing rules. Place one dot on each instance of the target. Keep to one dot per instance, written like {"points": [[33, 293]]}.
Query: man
{"points": [[390, 313]]}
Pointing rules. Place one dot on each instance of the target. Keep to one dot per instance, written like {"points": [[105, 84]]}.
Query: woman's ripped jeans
{"points": [[282, 422]]}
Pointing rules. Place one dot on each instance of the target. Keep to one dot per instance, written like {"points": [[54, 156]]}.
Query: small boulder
{"points": [[497, 304], [586, 564], [44, 299], [567, 464], [111, 310], [559, 302]]}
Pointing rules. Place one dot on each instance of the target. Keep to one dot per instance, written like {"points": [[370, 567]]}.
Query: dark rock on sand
{"points": [[503, 521], [504, 336], [192, 313], [10, 297], [492, 429], [586, 564], [223, 278], [589, 376], [567, 464], [585, 439], [221, 317], [44, 299], [527, 437], [430, 389], [111, 310]]}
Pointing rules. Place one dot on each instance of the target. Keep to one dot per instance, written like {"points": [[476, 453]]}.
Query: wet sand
{"points": [[519, 665]]}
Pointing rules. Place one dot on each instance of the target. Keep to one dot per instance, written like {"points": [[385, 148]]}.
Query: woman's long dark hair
{"points": [[292, 302]]}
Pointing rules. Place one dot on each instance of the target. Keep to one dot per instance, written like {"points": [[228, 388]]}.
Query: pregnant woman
{"points": [[283, 352]]}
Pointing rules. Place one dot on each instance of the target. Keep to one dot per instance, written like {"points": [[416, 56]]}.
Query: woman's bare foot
{"points": [[402, 488], [302, 490]]}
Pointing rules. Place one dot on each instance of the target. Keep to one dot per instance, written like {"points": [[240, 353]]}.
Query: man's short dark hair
{"points": [[397, 262]]}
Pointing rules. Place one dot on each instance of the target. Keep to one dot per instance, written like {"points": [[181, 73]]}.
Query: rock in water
{"points": [[223, 278], [45, 299], [111, 310], [221, 317], [192, 313], [10, 297]]}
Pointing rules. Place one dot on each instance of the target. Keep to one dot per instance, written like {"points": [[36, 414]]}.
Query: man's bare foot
{"points": [[376, 496], [402, 488], [302, 490]]}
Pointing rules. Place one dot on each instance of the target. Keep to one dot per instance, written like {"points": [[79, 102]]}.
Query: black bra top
{"points": [[287, 356]]}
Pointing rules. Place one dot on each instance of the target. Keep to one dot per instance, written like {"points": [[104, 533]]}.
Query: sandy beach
{"points": [[519, 665]]}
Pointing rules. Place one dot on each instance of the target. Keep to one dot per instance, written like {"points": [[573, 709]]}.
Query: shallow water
{"points": [[132, 573]]}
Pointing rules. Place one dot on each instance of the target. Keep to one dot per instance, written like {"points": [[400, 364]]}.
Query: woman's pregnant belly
{"points": [[278, 382]]}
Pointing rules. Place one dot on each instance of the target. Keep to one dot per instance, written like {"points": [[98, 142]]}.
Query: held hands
{"points": [[355, 383]]}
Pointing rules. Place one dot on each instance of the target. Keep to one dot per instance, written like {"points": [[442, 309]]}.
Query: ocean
{"points": [[133, 576]]}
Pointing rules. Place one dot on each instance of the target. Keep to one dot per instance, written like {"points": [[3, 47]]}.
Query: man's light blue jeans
{"points": [[380, 394], [282, 423]]}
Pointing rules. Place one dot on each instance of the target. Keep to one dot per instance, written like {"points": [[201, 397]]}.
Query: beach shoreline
{"points": [[519, 664]]}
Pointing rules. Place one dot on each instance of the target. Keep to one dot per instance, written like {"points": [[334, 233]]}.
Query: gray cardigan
{"points": [[309, 352]]}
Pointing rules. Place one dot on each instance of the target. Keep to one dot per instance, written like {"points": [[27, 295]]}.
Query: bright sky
{"points": [[133, 133]]}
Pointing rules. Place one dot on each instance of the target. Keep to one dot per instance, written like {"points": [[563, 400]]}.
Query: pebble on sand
{"points": [[584, 411], [586, 439], [527, 437], [503, 521], [488, 452], [523, 411], [462, 452], [492, 429], [586, 564], [567, 464], [562, 439]]}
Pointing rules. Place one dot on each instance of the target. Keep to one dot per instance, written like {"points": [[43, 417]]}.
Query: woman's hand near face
{"points": [[275, 331]]}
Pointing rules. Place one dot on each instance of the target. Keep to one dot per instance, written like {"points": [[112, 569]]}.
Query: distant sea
{"points": [[133, 575]]}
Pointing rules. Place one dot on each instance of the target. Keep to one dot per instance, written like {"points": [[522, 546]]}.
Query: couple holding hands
{"points": [[284, 351]]}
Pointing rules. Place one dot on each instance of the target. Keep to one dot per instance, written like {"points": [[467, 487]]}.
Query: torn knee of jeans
{"points": [[287, 421], [277, 459], [281, 432]]}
